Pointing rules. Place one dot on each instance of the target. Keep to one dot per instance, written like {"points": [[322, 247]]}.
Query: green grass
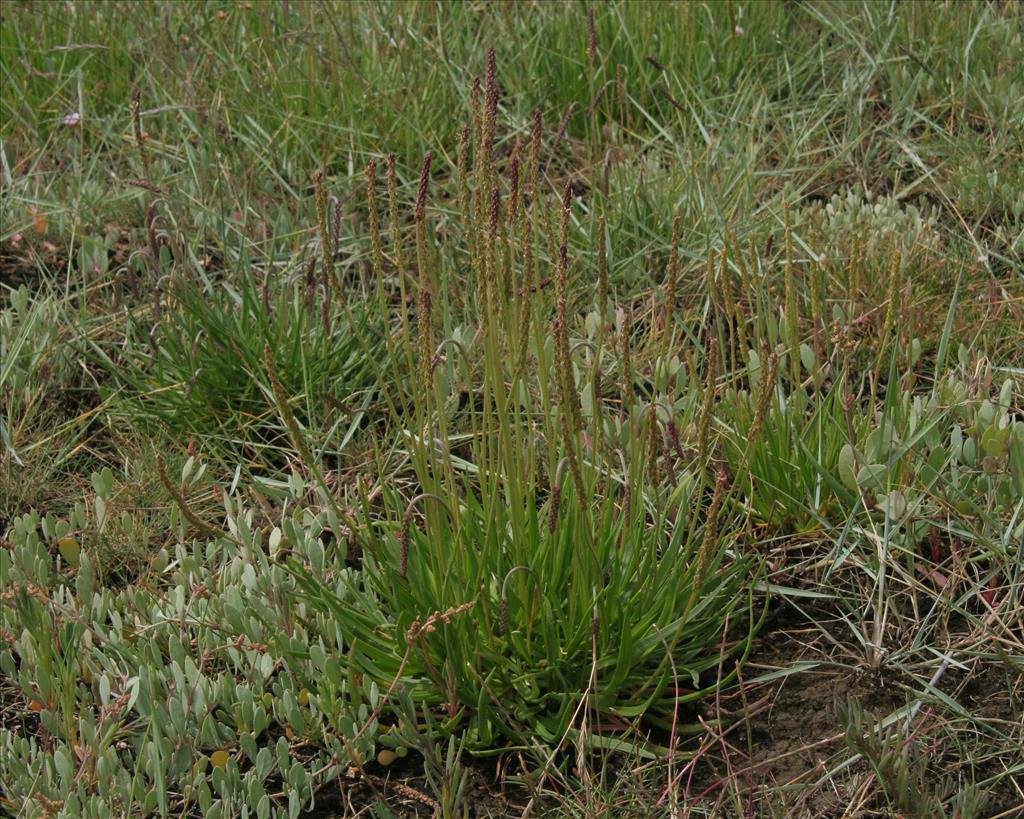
{"points": [[576, 449]]}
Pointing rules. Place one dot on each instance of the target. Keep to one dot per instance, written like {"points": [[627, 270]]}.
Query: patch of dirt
{"points": [[989, 692], [17, 269], [796, 721], [805, 711], [993, 695], [37, 262], [788, 732], [403, 787]]}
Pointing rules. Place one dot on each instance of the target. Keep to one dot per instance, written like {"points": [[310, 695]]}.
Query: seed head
{"points": [[492, 224], [336, 225], [556, 500], [491, 87], [421, 194], [592, 42], [503, 618]]}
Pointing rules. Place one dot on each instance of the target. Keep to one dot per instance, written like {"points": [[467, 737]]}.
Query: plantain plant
{"points": [[597, 573]]}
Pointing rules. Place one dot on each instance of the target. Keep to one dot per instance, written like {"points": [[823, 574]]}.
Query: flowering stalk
{"points": [[627, 362], [710, 389], [326, 248], [709, 543], [792, 316], [376, 245], [602, 277], [491, 284], [426, 346], [398, 257], [140, 136], [570, 397], [466, 201]]}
